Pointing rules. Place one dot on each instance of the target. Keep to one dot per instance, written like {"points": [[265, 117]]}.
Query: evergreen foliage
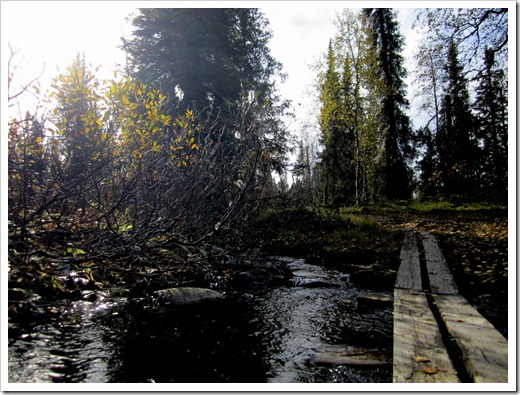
{"points": [[456, 141], [491, 107], [395, 124], [337, 138], [214, 55]]}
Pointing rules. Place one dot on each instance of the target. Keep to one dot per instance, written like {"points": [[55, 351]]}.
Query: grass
{"points": [[327, 236]]}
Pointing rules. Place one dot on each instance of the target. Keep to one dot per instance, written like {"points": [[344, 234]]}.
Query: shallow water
{"points": [[269, 335]]}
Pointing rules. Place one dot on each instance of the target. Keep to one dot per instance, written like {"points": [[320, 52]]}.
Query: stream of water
{"points": [[268, 335]]}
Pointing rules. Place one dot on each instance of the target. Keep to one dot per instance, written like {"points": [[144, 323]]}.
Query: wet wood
{"points": [[325, 359], [439, 275], [409, 273], [419, 352], [484, 349]]}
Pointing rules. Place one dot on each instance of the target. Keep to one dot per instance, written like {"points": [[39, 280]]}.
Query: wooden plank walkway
{"points": [[409, 273], [420, 355], [419, 352], [483, 348], [441, 280]]}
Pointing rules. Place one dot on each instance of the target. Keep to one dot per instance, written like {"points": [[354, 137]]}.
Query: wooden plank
{"points": [[484, 349], [441, 280], [409, 273], [419, 352]]}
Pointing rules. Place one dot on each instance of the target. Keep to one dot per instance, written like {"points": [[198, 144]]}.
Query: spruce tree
{"points": [[337, 135], [213, 55], [491, 106], [456, 140], [394, 123], [429, 183]]}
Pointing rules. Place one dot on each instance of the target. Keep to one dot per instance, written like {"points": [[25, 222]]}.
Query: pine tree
{"points": [[395, 124]]}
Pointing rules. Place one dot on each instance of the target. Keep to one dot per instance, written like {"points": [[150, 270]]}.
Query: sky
{"points": [[48, 35]]}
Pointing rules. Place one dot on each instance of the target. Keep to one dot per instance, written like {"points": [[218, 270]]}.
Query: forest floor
{"points": [[473, 239]]}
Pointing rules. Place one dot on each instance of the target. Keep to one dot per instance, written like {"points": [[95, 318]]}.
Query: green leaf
{"points": [[126, 227]]}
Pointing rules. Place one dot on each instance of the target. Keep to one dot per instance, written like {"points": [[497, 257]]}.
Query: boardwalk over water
{"points": [[438, 336]]}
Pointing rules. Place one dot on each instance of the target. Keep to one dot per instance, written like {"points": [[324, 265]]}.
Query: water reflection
{"points": [[298, 321], [268, 336], [205, 343]]}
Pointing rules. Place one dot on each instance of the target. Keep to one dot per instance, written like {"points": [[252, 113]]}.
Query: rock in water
{"points": [[187, 295], [314, 283]]}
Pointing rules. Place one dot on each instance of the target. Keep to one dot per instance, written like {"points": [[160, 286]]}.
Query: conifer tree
{"points": [[456, 140], [212, 55], [491, 106], [394, 123], [337, 155], [429, 167]]}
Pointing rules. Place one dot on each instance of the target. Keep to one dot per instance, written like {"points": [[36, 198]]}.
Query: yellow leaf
{"points": [[431, 370], [419, 358]]}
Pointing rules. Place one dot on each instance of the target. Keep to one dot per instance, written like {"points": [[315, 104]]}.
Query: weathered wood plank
{"points": [[409, 273], [484, 349], [419, 352], [441, 280]]}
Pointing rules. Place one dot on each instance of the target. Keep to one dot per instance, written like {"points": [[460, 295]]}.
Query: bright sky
{"points": [[48, 35]]}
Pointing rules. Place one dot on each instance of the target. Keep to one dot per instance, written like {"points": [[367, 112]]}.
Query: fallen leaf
{"points": [[430, 370], [419, 358]]}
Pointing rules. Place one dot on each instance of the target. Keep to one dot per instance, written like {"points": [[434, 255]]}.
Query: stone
{"points": [[187, 295], [16, 294], [315, 283], [259, 278]]}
